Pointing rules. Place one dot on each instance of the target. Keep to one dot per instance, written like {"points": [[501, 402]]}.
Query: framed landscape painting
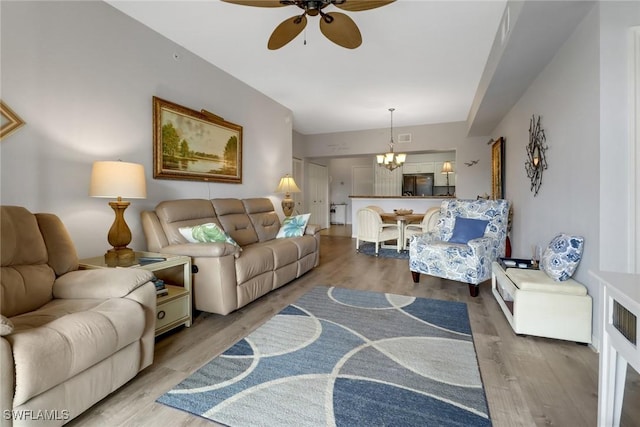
{"points": [[192, 145]]}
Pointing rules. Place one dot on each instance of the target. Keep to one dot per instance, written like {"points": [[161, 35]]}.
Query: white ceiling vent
{"points": [[403, 138]]}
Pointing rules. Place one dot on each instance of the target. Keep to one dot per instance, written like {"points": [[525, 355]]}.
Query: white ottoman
{"points": [[535, 304]]}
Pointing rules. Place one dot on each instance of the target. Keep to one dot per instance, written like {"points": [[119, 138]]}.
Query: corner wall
{"points": [[581, 96], [82, 76], [616, 143]]}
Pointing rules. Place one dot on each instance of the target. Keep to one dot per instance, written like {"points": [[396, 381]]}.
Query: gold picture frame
{"points": [[192, 145], [497, 169], [9, 121]]}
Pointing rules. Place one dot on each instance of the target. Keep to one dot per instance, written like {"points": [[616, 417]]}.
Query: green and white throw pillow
{"points": [[293, 226], [6, 326], [206, 233]]}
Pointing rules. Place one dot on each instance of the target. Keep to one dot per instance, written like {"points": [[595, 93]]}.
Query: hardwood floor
{"points": [[528, 381]]}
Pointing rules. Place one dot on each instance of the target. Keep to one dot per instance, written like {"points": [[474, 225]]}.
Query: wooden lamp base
{"points": [[288, 205], [119, 237]]}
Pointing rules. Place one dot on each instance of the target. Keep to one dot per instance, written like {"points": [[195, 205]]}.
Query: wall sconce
{"points": [[536, 159], [447, 168], [118, 180], [287, 186]]}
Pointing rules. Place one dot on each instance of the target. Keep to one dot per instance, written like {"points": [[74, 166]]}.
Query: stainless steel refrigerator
{"points": [[419, 184]]}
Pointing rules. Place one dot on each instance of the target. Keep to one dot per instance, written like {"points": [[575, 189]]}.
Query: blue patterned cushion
{"points": [[560, 259], [293, 226], [466, 229]]}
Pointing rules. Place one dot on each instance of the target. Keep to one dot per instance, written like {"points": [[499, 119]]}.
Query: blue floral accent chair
{"points": [[464, 249]]}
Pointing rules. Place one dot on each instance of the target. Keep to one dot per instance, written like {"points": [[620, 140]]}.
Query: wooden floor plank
{"points": [[528, 381]]}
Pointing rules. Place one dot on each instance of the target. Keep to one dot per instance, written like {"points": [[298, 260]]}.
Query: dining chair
{"points": [[372, 229], [428, 223]]}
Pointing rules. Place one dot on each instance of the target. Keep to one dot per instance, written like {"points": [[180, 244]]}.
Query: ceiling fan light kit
{"points": [[336, 26]]}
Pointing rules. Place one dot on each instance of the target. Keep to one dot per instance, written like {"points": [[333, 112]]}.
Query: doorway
{"points": [[318, 194]]}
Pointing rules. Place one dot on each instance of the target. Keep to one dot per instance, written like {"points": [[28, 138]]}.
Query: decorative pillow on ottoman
{"points": [[560, 259]]}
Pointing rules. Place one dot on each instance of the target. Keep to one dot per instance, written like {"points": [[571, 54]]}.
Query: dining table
{"points": [[402, 220]]}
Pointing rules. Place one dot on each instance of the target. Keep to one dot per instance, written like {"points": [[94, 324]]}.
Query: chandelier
{"points": [[391, 160]]}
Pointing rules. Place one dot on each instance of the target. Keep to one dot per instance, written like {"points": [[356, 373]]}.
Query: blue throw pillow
{"points": [[562, 256], [466, 229]]}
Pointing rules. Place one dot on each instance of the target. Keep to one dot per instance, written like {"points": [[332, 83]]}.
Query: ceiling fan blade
{"points": [[286, 31], [257, 3], [341, 30], [358, 5]]}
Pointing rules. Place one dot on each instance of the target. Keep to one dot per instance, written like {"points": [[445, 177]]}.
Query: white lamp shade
{"points": [[447, 168], [287, 185], [118, 179]]}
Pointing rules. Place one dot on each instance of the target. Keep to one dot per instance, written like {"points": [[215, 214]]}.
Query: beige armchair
{"points": [[372, 229], [69, 337]]}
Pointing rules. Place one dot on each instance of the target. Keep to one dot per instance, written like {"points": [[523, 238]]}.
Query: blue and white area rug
{"points": [[341, 357], [369, 248]]}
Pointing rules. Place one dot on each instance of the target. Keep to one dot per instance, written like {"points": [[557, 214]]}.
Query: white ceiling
{"points": [[423, 58]]}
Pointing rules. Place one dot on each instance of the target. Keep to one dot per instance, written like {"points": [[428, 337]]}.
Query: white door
{"points": [[318, 194], [298, 177]]}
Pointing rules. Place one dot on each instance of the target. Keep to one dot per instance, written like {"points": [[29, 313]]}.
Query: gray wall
{"points": [[582, 98], [82, 75], [616, 146], [470, 181], [340, 174]]}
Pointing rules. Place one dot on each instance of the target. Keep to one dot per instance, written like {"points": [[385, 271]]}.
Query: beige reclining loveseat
{"points": [[69, 337], [227, 277]]}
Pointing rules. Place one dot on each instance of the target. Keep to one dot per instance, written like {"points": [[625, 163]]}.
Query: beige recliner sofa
{"points": [[69, 337], [226, 276]]}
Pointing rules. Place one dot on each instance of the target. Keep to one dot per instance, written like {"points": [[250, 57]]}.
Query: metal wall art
{"points": [[536, 159]]}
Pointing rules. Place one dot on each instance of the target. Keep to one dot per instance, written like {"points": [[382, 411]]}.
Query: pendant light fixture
{"points": [[391, 160]]}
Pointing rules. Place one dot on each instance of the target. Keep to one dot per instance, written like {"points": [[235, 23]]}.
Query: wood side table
{"points": [[174, 309]]}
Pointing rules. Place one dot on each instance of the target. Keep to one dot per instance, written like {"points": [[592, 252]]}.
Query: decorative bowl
{"points": [[403, 211]]}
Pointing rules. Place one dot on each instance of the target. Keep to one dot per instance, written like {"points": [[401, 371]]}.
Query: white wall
{"points": [[470, 181], [82, 75], [582, 100], [616, 143], [341, 177], [340, 182]]}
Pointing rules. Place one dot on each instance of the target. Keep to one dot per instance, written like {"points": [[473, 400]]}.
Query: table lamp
{"points": [[117, 180], [447, 168], [287, 186]]}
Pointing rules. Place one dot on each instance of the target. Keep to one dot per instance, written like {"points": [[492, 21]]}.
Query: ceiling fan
{"points": [[336, 26]]}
